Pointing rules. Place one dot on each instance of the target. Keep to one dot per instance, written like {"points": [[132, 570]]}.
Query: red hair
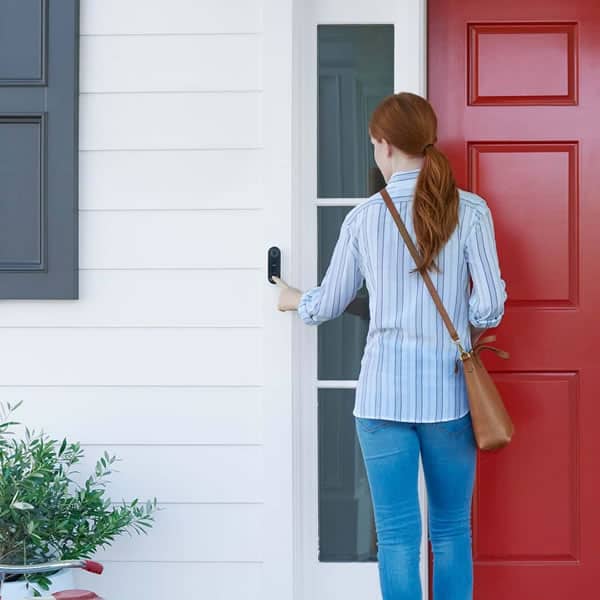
{"points": [[408, 122]]}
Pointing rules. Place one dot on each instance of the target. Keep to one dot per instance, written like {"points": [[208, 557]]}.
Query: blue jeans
{"points": [[390, 451]]}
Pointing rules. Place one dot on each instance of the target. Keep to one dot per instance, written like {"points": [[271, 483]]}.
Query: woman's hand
{"points": [[288, 297]]}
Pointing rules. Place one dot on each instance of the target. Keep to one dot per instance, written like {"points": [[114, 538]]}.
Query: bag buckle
{"points": [[463, 353]]}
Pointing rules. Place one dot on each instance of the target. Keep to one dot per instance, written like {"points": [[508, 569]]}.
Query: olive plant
{"points": [[47, 515]]}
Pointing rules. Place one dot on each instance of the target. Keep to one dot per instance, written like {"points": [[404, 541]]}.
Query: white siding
{"points": [[138, 239], [146, 297], [171, 63], [144, 17], [171, 121], [160, 360], [200, 177]]}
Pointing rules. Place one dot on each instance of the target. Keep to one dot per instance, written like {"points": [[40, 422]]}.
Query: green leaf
{"points": [[46, 513]]}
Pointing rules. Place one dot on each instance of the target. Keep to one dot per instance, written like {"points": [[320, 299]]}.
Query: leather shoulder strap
{"points": [[417, 258]]}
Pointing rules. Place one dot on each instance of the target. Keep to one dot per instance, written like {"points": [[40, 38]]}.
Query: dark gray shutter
{"points": [[39, 89]]}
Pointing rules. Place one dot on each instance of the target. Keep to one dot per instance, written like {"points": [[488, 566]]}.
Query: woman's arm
{"points": [[486, 302], [340, 284]]}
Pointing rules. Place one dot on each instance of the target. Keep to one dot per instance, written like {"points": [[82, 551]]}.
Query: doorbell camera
{"points": [[273, 263]]}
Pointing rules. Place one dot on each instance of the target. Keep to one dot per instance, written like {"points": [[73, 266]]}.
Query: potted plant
{"points": [[46, 515]]}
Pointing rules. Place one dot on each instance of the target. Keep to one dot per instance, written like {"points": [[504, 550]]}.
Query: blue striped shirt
{"points": [[407, 370]]}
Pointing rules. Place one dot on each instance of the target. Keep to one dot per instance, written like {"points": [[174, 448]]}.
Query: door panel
{"points": [[516, 88]]}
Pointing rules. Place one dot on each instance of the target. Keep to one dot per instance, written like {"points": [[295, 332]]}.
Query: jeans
{"points": [[448, 449]]}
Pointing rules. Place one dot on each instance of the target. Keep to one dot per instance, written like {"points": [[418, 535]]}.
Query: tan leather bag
{"points": [[492, 425]]}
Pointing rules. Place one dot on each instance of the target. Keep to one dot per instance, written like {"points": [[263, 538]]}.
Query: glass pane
{"points": [[355, 71], [340, 341], [346, 525]]}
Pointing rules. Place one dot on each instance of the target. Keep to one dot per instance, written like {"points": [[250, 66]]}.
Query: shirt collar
{"points": [[403, 181]]}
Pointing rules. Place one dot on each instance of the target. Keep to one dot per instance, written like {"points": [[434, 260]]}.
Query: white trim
{"points": [[336, 384], [304, 235], [278, 522], [410, 19], [300, 250], [339, 201]]}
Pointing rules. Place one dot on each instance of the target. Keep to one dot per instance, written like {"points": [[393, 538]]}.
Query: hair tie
{"points": [[427, 146]]}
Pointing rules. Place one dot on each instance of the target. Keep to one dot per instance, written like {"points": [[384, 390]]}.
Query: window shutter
{"points": [[39, 99]]}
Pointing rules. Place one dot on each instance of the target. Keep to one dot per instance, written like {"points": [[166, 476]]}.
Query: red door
{"points": [[516, 86]]}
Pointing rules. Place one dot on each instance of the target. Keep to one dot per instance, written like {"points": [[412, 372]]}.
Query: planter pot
{"points": [[16, 590]]}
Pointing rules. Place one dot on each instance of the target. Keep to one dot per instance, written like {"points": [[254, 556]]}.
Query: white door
{"points": [[351, 54]]}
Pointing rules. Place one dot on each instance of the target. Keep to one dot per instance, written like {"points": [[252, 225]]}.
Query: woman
{"points": [[410, 398]]}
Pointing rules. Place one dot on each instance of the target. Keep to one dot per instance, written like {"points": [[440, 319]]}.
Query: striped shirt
{"points": [[407, 370]]}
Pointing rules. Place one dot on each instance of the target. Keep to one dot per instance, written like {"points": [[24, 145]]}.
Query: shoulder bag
{"points": [[492, 424]]}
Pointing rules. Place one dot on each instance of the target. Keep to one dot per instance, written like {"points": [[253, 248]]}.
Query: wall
{"points": [[159, 361]]}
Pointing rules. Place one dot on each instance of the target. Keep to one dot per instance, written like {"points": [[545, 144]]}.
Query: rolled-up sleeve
{"points": [[340, 284], [488, 294]]}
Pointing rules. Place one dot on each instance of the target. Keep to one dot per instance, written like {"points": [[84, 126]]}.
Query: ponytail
{"points": [[435, 207]]}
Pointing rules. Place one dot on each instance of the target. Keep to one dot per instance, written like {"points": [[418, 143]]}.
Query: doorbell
{"points": [[273, 263]]}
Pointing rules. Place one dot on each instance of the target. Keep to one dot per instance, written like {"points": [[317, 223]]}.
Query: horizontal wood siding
{"points": [[159, 362]]}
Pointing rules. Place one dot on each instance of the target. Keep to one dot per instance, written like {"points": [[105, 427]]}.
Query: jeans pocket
{"points": [[371, 425]]}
